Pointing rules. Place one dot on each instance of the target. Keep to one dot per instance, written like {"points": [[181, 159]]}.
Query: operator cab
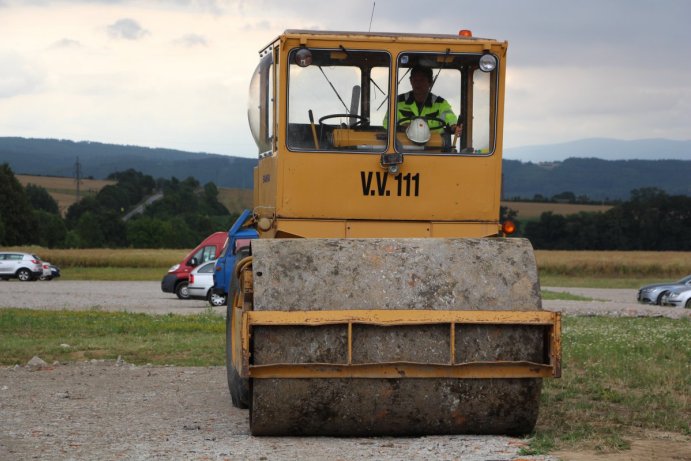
{"points": [[346, 151], [338, 100]]}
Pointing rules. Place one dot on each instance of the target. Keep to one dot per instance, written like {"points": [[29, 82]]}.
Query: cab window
{"points": [[446, 103], [205, 254], [337, 99]]}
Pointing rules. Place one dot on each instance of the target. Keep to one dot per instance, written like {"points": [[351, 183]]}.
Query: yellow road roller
{"points": [[382, 295]]}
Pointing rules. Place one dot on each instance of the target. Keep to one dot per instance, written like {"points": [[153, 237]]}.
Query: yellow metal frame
{"points": [[315, 193], [494, 369]]}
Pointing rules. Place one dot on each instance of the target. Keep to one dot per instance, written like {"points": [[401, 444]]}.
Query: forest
{"points": [[187, 211]]}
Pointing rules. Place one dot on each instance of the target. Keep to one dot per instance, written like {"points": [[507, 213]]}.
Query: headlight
{"points": [[174, 268], [488, 63]]}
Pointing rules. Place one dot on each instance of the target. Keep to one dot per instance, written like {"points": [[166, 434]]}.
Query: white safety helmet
{"points": [[418, 131]]}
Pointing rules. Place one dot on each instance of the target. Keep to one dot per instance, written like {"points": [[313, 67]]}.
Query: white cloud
{"points": [[191, 40], [66, 43], [127, 28], [19, 76]]}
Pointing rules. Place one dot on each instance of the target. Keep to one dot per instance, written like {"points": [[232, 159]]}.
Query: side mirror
{"points": [[193, 262]]}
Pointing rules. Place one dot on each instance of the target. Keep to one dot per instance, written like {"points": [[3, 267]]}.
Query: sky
{"points": [[175, 73]]}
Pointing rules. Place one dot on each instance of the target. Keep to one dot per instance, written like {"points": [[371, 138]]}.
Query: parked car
{"points": [[679, 297], [652, 294], [50, 271], [45, 275], [23, 266], [201, 282], [176, 280]]}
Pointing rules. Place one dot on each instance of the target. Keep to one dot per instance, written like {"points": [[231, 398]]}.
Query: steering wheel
{"points": [[361, 120]]}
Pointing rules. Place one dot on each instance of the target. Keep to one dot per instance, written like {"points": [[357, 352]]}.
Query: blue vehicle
{"points": [[238, 242]]}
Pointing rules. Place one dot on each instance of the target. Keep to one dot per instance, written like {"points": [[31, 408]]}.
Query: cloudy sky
{"points": [[175, 73]]}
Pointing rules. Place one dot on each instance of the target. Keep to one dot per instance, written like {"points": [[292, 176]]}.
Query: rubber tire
{"points": [[181, 290], [24, 275], [216, 300], [238, 387], [658, 301], [688, 304]]}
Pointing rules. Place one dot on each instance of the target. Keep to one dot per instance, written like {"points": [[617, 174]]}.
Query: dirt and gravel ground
{"points": [[115, 410]]}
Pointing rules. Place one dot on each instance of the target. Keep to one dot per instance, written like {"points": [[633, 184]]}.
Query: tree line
{"points": [[186, 213], [650, 220]]}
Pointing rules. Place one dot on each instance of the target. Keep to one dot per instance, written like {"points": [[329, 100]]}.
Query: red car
{"points": [[177, 278]]}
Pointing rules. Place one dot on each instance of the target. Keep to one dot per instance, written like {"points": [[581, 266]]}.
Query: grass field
{"points": [[235, 200], [611, 269], [533, 210], [64, 190]]}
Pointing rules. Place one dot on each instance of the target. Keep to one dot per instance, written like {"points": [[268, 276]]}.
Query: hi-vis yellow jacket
{"points": [[435, 106]]}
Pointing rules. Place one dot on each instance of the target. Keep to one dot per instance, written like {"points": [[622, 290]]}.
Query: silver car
{"points": [[23, 266], [201, 282], [679, 297], [653, 294]]}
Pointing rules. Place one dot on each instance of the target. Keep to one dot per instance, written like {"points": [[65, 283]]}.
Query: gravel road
{"points": [[114, 410], [147, 297]]}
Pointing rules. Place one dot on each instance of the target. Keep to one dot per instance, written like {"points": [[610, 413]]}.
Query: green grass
{"points": [[619, 376], [552, 295], [114, 273], [139, 338], [600, 282]]}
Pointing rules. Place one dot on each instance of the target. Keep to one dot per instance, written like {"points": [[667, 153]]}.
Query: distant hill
{"points": [[596, 178], [605, 149], [53, 157]]}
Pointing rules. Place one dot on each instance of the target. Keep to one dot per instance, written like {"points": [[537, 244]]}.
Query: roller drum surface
{"points": [[436, 274], [377, 407]]}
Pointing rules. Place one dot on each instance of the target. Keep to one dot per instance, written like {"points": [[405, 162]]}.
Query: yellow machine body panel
{"points": [[446, 191], [331, 180]]}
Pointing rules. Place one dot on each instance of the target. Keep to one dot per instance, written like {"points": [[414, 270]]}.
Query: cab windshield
{"points": [[339, 100], [445, 103]]}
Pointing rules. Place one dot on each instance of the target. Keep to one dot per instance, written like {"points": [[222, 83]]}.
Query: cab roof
{"points": [[383, 36]]}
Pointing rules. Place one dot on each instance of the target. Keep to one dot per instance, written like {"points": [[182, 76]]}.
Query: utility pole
{"points": [[78, 176]]}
